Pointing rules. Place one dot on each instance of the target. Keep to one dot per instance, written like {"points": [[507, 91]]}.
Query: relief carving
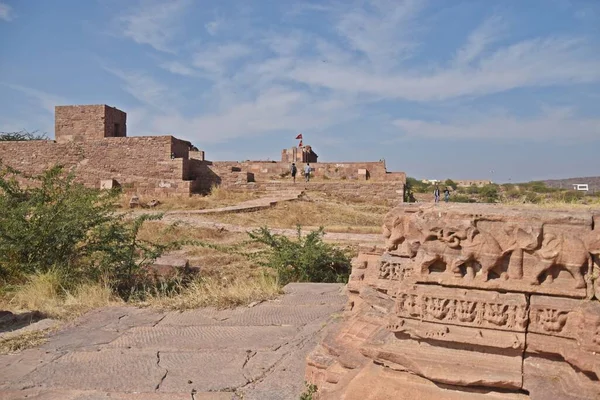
{"points": [[513, 254], [450, 306], [395, 271]]}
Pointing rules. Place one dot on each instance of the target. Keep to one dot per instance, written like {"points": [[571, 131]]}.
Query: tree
{"points": [[489, 193], [450, 183], [21, 136], [58, 224]]}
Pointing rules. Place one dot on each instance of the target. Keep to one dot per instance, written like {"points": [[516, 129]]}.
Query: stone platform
{"points": [[127, 353]]}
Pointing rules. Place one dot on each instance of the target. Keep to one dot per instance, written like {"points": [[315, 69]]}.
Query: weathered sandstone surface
{"points": [[470, 302]]}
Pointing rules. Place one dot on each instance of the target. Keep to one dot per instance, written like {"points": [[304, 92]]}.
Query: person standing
{"points": [[307, 172], [436, 194], [446, 195], [294, 171]]}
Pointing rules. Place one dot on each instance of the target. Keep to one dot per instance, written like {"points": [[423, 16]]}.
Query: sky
{"points": [[506, 90]]}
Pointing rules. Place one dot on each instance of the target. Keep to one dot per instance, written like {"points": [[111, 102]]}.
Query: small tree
{"points": [[450, 183], [58, 224], [307, 259], [489, 193], [21, 136]]}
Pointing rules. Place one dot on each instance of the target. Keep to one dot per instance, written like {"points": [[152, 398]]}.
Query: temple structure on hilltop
{"points": [[304, 154]]}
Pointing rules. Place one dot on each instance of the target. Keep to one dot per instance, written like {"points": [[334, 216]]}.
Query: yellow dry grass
{"points": [[45, 293], [593, 205], [220, 293], [218, 197], [23, 341], [332, 215]]}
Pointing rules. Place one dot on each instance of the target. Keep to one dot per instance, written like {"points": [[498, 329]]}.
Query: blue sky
{"points": [[467, 89]]}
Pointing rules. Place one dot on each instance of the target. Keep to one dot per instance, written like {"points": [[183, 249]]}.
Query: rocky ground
{"points": [[130, 353]]}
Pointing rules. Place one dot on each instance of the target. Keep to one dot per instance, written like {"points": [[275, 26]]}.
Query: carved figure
{"points": [[552, 320], [522, 239], [564, 251], [457, 248]]}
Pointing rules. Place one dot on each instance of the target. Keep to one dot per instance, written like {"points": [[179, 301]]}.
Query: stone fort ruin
{"points": [[92, 141]]}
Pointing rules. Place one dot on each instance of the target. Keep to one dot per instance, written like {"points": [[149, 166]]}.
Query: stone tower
{"points": [[89, 122]]}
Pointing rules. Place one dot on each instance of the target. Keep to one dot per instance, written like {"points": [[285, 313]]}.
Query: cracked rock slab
{"points": [[213, 371], [62, 394], [119, 370], [172, 338]]}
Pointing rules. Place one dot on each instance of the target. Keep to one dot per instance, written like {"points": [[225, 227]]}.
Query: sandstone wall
{"points": [[141, 164], [470, 302], [265, 170], [234, 176]]}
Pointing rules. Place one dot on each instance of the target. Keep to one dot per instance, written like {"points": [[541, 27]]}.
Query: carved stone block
{"points": [[513, 342], [376, 382], [546, 252], [474, 308], [454, 366]]}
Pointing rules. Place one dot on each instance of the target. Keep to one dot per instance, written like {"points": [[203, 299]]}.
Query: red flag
{"points": [[300, 145], [299, 136]]}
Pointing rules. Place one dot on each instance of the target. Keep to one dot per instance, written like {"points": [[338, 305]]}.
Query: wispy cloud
{"points": [[154, 23], [179, 68], [215, 59], [278, 78], [384, 34], [145, 89], [555, 124], [276, 110], [47, 101], [523, 64], [213, 26], [478, 41], [6, 12]]}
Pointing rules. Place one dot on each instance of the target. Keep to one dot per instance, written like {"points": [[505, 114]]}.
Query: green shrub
{"points": [[57, 224], [310, 390], [473, 189], [534, 198], [568, 196], [489, 193], [450, 183], [417, 186], [461, 198], [306, 259]]}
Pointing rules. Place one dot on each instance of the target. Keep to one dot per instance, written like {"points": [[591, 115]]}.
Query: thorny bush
{"points": [[306, 259], [57, 224]]}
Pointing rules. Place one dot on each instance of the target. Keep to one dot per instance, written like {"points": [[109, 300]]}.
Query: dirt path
{"points": [[129, 353], [332, 236]]}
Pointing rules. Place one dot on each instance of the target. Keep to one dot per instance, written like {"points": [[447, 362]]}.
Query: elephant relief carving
{"points": [[565, 251], [457, 247]]}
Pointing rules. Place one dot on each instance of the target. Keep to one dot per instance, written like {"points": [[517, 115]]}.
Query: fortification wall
{"points": [[267, 170], [141, 164]]}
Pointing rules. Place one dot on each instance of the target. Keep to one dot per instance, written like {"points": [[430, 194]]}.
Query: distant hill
{"points": [[592, 181]]}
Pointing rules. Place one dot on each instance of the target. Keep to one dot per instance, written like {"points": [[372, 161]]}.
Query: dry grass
{"points": [[218, 197], [220, 293], [44, 293], [557, 205], [23, 341], [329, 214]]}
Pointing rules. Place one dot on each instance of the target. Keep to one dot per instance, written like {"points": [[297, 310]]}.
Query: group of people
{"points": [[436, 194], [294, 171]]}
